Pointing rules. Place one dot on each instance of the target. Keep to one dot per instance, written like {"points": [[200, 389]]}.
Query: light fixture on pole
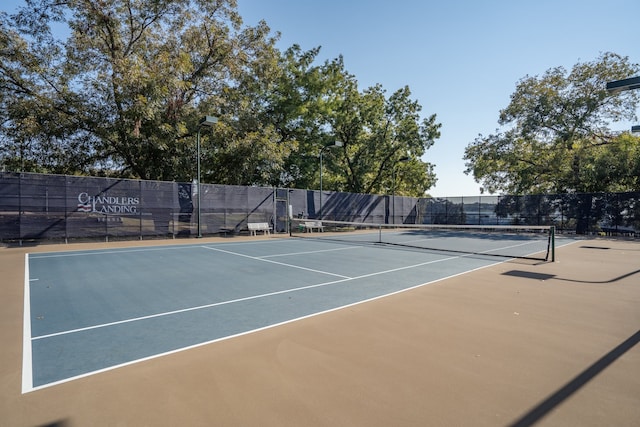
{"points": [[205, 121], [618, 86], [335, 144], [393, 190]]}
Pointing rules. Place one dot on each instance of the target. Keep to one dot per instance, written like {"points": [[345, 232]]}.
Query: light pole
{"points": [[335, 144], [618, 86], [393, 190], [205, 121]]}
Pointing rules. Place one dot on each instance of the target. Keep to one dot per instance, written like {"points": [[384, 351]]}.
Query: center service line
{"points": [[275, 262]]}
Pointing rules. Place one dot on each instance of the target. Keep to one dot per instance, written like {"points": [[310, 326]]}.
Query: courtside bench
{"points": [[254, 227], [313, 225]]}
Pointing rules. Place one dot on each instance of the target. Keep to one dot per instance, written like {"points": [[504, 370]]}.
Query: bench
{"points": [[254, 227], [313, 225]]}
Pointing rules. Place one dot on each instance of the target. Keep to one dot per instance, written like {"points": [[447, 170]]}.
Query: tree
{"points": [[557, 131], [37, 111], [127, 88], [306, 107], [293, 106], [384, 139], [614, 166], [123, 95]]}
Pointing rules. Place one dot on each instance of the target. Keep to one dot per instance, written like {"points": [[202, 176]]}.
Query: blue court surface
{"points": [[91, 311]]}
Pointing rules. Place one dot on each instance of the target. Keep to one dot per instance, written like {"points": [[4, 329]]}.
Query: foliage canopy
{"points": [[122, 95], [556, 137]]}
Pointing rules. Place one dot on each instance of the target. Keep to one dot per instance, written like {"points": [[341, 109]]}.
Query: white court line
{"points": [[515, 246], [269, 294], [168, 313], [109, 368], [186, 310], [275, 262], [92, 252], [27, 376], [349, 248], [113, 251], [27, 361]]}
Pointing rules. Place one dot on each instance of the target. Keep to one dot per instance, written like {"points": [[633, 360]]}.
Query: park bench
{"points": [[254, 227], [313, 225]]}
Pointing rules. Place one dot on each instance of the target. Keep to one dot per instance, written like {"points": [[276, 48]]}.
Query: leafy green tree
{"points": [[305, 105], [383, 141], [292, 106], [37, 110], [614, 167], [123, 94], [557, 137], [247, 148], [127, 88]]}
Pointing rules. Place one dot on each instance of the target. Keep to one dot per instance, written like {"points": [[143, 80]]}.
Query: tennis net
{"points": [[506, 241]]}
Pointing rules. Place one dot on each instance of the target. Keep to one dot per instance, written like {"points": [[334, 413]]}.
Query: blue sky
{"points": [[461, 58]]}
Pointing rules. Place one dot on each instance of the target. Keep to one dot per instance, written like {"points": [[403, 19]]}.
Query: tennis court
{"points": [[287, 331], [88, 311]]}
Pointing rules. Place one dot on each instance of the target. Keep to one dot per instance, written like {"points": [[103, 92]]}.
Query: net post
{"points": [[553, 243]]}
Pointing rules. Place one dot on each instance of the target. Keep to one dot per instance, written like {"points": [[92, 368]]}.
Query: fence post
{"points": [[66, 210], [140, 206], [20, 208]]}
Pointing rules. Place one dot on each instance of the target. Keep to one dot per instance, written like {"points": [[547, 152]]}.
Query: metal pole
{"points": [[393, 190], [553, 243], [393, 196], [205, 121], [198, 185], [320, 211], [140, 211], [288, 213], [335, 144]]}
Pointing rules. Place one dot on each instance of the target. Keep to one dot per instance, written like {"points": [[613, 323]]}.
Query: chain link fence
{"points": [[63, 208], [587, 214]]}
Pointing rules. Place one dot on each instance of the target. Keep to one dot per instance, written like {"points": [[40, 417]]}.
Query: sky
{"points": [[461, 59]]}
